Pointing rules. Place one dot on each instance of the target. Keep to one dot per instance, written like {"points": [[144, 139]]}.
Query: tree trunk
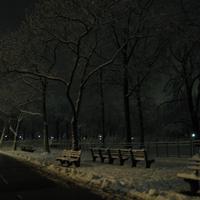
{"points": [[45, 121], [195, 124], [15, 142], [24, 134], [140, 113], [193, 112], [102, 104], [2, 135], [68, 130], [15, 132], [126, 105], [57, 129], [74, 132]]}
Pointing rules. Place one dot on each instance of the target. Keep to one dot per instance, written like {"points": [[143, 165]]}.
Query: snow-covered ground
{"points": [[124, 182]]}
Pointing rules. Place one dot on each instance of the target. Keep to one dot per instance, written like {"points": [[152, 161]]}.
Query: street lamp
{"points": [[100, 137], [84, 138], [193, 135]]}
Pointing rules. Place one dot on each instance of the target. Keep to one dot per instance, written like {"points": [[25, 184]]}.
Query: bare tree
{"points": [[131, 25], [80, 46]]}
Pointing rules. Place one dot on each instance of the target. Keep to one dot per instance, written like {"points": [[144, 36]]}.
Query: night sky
{"points": [[12, 12]]}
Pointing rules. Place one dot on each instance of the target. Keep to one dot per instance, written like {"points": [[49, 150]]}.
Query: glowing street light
{"points": [[84, 138], [100, 137], [193, 135]]}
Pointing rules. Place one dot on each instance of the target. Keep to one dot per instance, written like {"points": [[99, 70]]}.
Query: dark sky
{"points": [[12, 12]]}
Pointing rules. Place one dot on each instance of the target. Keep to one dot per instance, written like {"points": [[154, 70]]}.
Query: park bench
{"points": [[124, 154], [192, 177], [95, 153], [105, 153], [121, 154], [70, 157], [101, 153], [28, 148], [138, 155], [113, 154]]}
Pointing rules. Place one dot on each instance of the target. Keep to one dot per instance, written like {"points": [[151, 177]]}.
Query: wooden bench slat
{"points": [[192, 177], [99, 153], [194, 167], [140, 155], [27, 148], [195, 159], [192, 163], [70, 156], [188, 176]]}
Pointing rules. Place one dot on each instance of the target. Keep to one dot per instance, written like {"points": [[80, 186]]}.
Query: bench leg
{"points": [[62, 162], [94, 159], [102, 159], [69, 163], [194, 185], [148, 163], [121, 161], [77, 163], [134, 163], [111, 161]]}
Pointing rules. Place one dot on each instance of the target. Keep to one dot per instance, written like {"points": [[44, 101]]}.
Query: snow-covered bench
{"points": [[135, 155], [124, 154], [140, 155], [70, 157], [95, 154], [106, 153], [27, 148], [192, 177], [113, 154], [101, 153], [121, 154]]}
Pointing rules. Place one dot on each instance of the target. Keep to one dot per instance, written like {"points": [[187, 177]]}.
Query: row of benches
{"points": [[135, 155], [70, 156]]}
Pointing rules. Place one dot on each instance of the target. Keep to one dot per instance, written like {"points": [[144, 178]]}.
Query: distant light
{"points": [[132, 138], [52, 137], [84, 138], [100, 137], [39, 136], [20, 137], [193, 135], [5, 136]]}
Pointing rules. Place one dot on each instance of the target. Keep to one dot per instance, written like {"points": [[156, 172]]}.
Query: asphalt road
{"points": [[20, 182]]}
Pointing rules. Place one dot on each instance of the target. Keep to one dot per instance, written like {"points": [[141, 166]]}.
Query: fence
{"points": [[156, 149], [173, 149]]}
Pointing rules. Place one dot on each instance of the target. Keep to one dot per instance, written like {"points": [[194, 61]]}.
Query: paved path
{"points": [[20, 182]]}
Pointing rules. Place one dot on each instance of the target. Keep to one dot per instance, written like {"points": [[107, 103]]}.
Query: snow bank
{"points": [[105, 180]]}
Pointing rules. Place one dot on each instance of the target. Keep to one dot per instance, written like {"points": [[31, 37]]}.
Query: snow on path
{"points": [[159, 182]]}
